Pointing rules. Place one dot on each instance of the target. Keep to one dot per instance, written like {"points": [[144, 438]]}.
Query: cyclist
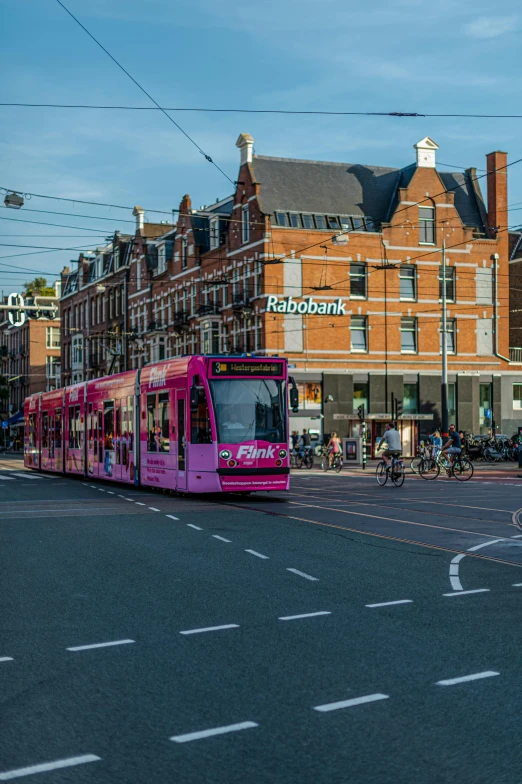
{"points": [[453, 445], [393, 439], [333, 446], [304, 443]]}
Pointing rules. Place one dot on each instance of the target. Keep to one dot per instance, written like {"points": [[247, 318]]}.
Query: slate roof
{"points": [[294, 185]]}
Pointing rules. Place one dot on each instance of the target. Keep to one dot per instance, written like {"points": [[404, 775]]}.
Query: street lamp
{"points": [[14, 200]]}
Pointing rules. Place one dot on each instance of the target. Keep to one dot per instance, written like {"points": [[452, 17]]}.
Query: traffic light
{"points": [[361, 413]]}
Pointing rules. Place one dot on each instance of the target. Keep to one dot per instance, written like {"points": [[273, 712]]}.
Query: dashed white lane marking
{"points": [[100, 645], [95, 488], [388, 604], [7, 478], [211, 628], [304, 615], [475, 677], [140, 503], [110, 492], [191, 525], [6, 658], [153, 509], [517, 585], [221, 538], [464, 593], [454, 565], [119, 496], [243, 725], [259, 555], [331, 706], [101, 490], [63, 763], [302, 574], [517, 536], [172, 517]]}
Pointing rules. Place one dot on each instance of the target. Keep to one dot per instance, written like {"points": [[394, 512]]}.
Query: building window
{"points": [[184, 253], [52, 337], [258, 268], [245, 224], [308, 221], [282, 219], [358, 224], [333, 222], [295, 222], [358, 333], [214, 233], [358, 280], [162, 259], [360, 395], [408, 278], [320, 222], [427, 225], [450, 336], [408, 335], [517, 396], [410, 399], [450, 284]]}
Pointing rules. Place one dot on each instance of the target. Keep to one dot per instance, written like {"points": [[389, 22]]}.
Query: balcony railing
{"points": [[181, 318], [515, 354], [207, 308], [242, 301]]}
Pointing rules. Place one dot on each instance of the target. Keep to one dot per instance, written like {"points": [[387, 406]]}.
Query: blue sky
{"points": [[340, 55]]}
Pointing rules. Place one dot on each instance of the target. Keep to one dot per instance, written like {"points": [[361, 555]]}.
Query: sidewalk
{"points": [[510, 469]]}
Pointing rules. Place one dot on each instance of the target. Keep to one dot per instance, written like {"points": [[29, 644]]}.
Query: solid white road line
{"points": [[29, 476], [172, 517], [302, 574], [304, 615], [100, 645], [259, 555], [191, 525], [153, 509], [7, 478], [388, 604], [477, 676], [63, 763], [454, 565], [221, 538], [211, 628], [244, 725], [6, 658], [463, 593], [331, 706]]}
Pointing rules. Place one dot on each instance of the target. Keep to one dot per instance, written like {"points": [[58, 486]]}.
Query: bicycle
{"points": [[462, 468], [336, 464], [423, 452], [306, 458], [395, 471]]}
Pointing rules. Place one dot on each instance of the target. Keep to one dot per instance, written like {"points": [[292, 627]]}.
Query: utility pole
{"points": [[385, 266], [444, 385]]}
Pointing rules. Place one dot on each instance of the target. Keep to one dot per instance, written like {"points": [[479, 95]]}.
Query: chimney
{"points": [[139, 213], [497, 194], [245, 142], [426, 150]]}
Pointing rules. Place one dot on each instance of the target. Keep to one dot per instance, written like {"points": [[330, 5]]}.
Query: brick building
{"points": [[29, 358], [338, 267]]}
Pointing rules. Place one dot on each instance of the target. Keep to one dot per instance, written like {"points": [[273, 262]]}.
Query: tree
{"points": [[38, 286]]}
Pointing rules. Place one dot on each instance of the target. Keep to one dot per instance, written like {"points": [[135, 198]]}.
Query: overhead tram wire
{"points": [[242, 110], [144, 91]]}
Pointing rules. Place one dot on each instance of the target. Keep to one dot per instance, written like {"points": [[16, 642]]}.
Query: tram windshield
{"points": [[249, 409]]}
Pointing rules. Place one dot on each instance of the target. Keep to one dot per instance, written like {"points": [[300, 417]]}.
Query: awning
{"points": [[17, 419]]}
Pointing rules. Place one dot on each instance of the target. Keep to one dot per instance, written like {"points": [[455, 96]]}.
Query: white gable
{"points": [[426, 150]]}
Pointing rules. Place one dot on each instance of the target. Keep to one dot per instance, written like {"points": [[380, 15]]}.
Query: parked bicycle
{"points": [[395, 471]]}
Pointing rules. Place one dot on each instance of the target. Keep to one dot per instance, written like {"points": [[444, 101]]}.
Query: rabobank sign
{"points": [[307, 306]]}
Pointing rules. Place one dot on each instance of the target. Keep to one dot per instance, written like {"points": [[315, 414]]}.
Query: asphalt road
{"points": [[343, 633]]}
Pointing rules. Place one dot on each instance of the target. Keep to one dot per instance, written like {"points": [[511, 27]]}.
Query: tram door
{"points": [[117, 468], [50, 441], [58, 450], [181, 426]]}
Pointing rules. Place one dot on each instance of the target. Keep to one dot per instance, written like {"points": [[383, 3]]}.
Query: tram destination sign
{"points": [[239, 368]]}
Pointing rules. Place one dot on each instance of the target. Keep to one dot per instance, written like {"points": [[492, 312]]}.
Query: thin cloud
{"points": [[491, 27]]}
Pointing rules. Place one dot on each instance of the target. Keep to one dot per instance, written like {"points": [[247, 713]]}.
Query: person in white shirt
{"points": [[393, 439]]}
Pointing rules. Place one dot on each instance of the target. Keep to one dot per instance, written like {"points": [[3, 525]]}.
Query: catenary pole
{"points": [[444, 385]]}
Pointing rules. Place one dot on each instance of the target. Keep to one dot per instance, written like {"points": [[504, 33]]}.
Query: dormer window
{"points": [[427, 225]]}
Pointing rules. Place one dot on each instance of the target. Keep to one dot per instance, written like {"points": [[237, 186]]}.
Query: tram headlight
{"points": [[278, 462], [225, 454], [231, 463], [282, 453]]}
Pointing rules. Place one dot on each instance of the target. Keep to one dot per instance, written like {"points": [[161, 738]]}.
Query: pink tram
{"points": [[198, 424]]}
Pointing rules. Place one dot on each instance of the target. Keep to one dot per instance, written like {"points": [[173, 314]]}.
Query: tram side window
{"points": [[130, 424], [32, 430], [72, 439], [117, 418], [200, 431], [158, 422], [90, 428], [45, 430], [108, 423], [74, 427], [58, 428], [78, 427]]}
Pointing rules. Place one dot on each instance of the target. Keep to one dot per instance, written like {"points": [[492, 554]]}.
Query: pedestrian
{"points": [[295, 439]]}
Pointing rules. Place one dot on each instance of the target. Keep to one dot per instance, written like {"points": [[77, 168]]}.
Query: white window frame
{"points": [[245, 224]]}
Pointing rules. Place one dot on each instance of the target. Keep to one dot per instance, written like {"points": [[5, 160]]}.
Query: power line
{"points": [[242, 110], [144, 91]]}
